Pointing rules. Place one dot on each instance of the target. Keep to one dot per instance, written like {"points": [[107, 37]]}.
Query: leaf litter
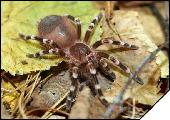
{"points": [[55, 89], [131, 31]]}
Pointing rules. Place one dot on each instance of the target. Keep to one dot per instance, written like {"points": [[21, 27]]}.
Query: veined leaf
{"points": [[23, 17]]}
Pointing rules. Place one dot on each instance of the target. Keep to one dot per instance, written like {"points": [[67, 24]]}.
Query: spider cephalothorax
{"points": [[61, 36]]}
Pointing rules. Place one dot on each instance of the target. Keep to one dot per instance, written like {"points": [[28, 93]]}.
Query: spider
{"points": [[60, 35]]}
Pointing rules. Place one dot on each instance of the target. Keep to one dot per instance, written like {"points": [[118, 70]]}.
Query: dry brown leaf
{"points": [[52, 91], [5, 114], [153, 25], [80, 109], [131, 30]]}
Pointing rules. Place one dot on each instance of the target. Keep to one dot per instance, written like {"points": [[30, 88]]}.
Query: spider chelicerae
{"points": [[60, 35]]}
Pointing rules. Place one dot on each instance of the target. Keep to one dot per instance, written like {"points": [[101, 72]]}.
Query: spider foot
{"points": [[104, 101], [134, 47], [22, 36], [33, 56], [68, 110], [68, 104], [139, 80], [30, 55]]}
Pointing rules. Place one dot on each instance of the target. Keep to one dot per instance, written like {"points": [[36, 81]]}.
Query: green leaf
{"points": [[23, 17]]}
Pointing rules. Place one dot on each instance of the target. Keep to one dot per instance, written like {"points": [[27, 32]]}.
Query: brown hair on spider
{"points": [[58, 28], [62, 35]]}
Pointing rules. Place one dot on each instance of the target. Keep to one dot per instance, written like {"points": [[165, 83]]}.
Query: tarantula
{"points": [[61, 36]]}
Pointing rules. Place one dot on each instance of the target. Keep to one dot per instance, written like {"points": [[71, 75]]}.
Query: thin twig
{"points": [[113, 30], [61, 106], [28, 96], [136, 108], [29, 80], [133, 110], [119, 99], [164, 22], [46, 115], [3, 76], [45, 109], [166, 3], [21, 107], [6, 90]]}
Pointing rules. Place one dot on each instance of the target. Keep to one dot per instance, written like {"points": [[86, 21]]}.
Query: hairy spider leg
{"points": [[77, 22], [106, 70], [43, 52], [83, 84], [91, 28], [124, 68], [104, 67], [117, 63], [41, 40], [73, 88], [95, 82], [114, 42]]}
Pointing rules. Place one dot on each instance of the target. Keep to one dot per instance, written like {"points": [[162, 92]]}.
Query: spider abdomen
{"points": [[59, 29]]}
